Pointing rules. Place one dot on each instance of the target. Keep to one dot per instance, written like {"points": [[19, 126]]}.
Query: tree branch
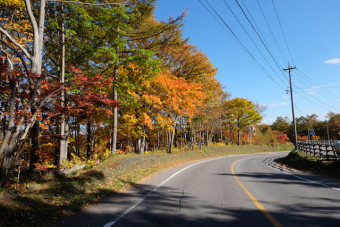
{"points": [[32, 19], [42, 19], [3, 31], [19, 55], [10, 64], [35, 90]]}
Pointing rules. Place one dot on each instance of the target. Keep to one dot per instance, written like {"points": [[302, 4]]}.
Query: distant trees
{"points": [[333, 124], [310, 123]]}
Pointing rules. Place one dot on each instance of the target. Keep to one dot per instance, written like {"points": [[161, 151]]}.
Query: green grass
{"points": [[41, 203], [300, 161]]}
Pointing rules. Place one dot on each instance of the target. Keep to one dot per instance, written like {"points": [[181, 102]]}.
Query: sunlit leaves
{"points": [[241, 112]]}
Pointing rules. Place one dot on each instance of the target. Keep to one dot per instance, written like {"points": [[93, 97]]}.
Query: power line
{"points": [[310, 80], [299, 110], [284, 36], [313, 98], [229, 29], [271, 31], [251, 24], [325, 95], [240, 42], [220, 23], [257, 27], [252, 41]]}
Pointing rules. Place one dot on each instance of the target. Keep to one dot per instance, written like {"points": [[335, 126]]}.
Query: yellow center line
{"points": [[257, 204]]}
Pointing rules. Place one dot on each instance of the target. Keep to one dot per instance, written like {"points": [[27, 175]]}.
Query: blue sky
{"points": [[312, 31]]}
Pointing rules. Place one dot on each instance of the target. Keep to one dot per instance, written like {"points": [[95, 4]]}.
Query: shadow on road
{"points": [[174, 207]]}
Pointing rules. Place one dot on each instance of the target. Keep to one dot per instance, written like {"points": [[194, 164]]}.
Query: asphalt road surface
{"points": [[243, 190]]}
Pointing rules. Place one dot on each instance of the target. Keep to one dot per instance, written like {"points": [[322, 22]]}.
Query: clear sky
{"points": [[312, 31]]}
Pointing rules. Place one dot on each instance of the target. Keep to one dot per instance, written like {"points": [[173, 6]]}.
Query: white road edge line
{"points": [[155, 189], [305, 179]]}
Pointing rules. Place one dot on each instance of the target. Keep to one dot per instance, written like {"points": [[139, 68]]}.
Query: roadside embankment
{"points": [[300, 161]]}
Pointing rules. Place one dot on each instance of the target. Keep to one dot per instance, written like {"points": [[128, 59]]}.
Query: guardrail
{"points": [[322, 149], [325, 142]]}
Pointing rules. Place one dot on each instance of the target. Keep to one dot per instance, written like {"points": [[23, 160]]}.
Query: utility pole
{"points": [[327, 133], [289, 69], [307, 130]]}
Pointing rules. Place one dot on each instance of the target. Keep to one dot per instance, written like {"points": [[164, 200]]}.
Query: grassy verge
{"points": [[300, 161], [40, 203]]}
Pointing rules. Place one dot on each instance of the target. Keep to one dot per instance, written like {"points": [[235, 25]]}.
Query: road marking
{"points": [[257, 204], [301, 178], [155, 189]]}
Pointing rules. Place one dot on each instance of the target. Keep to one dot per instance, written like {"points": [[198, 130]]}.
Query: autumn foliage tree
{"points": [[80, 81], [241, 113]]}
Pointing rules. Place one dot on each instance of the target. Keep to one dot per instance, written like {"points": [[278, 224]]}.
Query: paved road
{"points": [[249, 190]]}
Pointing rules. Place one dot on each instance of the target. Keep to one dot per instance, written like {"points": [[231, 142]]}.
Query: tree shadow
{"points": [[62, 195], [170, 206]]}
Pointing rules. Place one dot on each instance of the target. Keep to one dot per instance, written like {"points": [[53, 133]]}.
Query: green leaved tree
{"points": [[241, 113]]}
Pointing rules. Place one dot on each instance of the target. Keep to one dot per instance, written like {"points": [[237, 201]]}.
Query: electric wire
{"points": [[317, 99], [239, 22], [219, 22], [240, 42], [262, 41], [257, 27], [252, 18], [311, 81], [271, 32], [325, 95], [298, 109], [284, 36], [222, 22], [303, 81]]}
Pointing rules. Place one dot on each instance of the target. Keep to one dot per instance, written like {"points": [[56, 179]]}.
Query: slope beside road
{"points": [[242, 190]]}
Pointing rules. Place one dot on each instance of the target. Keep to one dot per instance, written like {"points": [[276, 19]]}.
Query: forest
{"points": [[328, 129], [82, 81]]}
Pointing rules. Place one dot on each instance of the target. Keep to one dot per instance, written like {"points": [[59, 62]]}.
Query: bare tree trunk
{"points": [[171, 140], [167, 138], [76, 136], [192, 138], [34, 147], [93, 139], [207, 135], [232, 135], [181, 129], [221, 127], [158, 144], [195, 136], [36, 63], [175, 137], [89, 140], [115, 112], [239, 137], [63, 121], [13, 141], [140, 145], [200, 142], [172, 135]]}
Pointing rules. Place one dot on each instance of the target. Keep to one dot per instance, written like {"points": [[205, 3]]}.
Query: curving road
{"points": [[243, 190]]}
